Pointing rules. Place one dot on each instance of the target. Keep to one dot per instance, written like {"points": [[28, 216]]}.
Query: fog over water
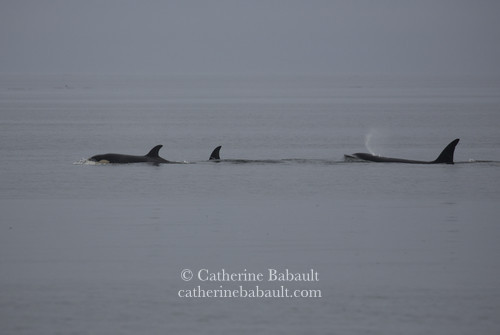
{"points": [[244, 37]]}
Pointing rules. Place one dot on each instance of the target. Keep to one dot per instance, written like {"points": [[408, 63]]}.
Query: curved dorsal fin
{"points": [[446, 155], [215, 154], [155, 151]]}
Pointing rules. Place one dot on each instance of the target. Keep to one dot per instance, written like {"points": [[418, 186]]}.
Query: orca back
{"points": [[215, 155], [155, 152], [446, 156]]}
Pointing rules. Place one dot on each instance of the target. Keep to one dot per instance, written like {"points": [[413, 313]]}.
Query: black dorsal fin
{"points": [[215, 154], [154, 152], [446, 155]]}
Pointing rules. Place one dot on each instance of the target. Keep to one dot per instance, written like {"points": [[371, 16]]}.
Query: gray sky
{"points": [[247, 37]]}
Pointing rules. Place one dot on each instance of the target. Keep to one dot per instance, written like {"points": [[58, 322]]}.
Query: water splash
{"points": [[85, 161]]}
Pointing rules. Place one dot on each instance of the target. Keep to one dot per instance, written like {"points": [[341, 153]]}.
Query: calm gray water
{"points": [[398, 249]]}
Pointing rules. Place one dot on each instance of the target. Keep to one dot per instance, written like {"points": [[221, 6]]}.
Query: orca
{"points": [[446, 156], [151, 157], [215, 155]]}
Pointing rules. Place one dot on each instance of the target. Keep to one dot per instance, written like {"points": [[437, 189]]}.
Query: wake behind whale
{"points": [[215, 157]]}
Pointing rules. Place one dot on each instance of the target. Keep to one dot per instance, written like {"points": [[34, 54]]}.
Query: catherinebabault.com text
{"points": [[271, 283]]}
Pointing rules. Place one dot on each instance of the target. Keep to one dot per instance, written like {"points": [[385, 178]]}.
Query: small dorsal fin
{"points": [[215, 153], [446, 155], [155, 151]]}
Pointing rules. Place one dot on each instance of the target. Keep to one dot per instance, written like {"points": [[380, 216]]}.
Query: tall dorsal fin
{"points": [[215, 153], [155, 151], [446, 155]]}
